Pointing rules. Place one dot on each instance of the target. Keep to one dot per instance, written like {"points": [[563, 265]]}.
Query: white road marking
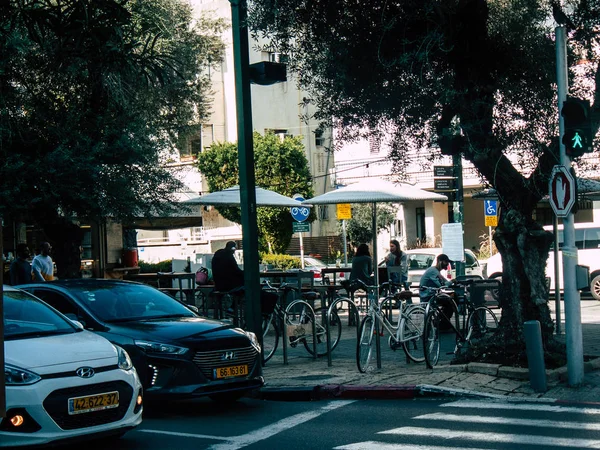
{"points": [[519, 406], [488, 437], [237, 442], [373, 445], [511, 421]]}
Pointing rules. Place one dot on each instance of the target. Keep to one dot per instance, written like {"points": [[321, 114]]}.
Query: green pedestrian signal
{"points": [[577, 137]]}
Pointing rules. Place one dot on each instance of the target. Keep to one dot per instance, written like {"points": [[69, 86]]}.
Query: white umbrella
{"points": [[231, 197]]}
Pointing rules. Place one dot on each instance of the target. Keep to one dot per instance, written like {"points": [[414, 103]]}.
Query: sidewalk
{"points": [[304, 378]]}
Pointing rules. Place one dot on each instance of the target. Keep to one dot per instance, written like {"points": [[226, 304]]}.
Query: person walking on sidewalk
{"points": [[42, 266]]}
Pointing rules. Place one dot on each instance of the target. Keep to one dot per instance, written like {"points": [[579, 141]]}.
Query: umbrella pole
{"points": [[376, 281]]}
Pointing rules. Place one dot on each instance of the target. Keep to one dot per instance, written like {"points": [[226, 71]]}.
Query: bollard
{"points": [[535, 355]]}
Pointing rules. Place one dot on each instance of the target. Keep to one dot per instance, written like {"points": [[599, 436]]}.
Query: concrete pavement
{"points": [[305, 378]]}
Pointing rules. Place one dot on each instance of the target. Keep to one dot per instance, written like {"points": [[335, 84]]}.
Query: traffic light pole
{"points": [[569, 251]]}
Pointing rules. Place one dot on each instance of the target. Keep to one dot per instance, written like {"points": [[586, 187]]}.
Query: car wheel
{"points": [[496, 292], [595, 287], [227, 397]]}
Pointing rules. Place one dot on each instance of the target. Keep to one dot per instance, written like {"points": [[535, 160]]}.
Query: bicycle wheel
{"points": [[431, 338], [335, 330], [270, 336], [411, 333], [364, 347], [482, 322]]}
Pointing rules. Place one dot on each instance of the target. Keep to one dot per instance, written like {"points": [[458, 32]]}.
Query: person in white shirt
{"points": [[42, 266]]}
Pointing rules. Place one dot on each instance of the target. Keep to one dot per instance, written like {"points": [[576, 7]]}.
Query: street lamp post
{"points": [[241, 61]]}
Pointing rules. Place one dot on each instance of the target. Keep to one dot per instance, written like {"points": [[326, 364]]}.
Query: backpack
{"points": [[202, 275]]}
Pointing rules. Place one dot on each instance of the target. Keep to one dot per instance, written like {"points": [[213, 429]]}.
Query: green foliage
{"points": [[281, 262], [93, 95], [360, 228], [161, 266], [280, 166]]}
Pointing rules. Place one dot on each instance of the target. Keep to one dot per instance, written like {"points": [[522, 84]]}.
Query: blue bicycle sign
{"points": [[299, 213]]}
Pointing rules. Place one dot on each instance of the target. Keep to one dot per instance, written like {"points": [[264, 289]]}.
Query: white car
{"points": [[62, 383]]}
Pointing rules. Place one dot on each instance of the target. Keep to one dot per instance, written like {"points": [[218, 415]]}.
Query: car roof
{"points": [[86, 282]]}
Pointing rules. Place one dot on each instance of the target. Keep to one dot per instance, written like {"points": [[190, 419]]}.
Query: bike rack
{"points": [[284, 331], [354, 312]]}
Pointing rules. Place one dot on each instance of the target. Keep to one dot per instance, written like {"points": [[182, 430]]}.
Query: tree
{"points": [[280, 166], [473, 77], [360, 227], [94, 95]]}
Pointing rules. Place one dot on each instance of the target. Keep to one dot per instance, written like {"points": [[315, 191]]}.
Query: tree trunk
{"points": [[524, 246]]}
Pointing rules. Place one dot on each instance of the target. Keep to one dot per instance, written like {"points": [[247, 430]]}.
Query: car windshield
{"points": [[27, 317], [420, 261], [124, 302]]}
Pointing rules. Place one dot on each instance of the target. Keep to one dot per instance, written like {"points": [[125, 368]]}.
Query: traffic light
{"points": [[578, 128]]}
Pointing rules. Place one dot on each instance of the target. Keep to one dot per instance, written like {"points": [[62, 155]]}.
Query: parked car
{"points": [[315, 265], [177, 353], [420, 259], [587, 241], [62, 383]]}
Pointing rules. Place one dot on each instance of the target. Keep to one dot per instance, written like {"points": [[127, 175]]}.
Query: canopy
{"points": [[375, 191], [231, 197]]}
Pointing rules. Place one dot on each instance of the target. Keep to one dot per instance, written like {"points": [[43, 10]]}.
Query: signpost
{"points": [[490, 211], [300, 214], [344, 212]]}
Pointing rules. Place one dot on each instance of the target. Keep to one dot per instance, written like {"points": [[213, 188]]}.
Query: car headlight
{"points": [[253, 340], [158, 347], [124, 359], [15, 376]]}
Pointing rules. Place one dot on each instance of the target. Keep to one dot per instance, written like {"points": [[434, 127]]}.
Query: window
{"points": [[592, 238], [208, 135], [57, 301], [469, 260], [324, 212], [196, 146]]}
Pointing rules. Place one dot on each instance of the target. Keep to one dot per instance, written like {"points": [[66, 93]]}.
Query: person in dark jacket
{"points": [[20, 269], [226, 273], [362, 265]]}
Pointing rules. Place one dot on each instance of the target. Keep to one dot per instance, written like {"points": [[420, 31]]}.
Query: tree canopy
{"points": [[280, 165], [474, 77], [360, 227], [94, 94]]}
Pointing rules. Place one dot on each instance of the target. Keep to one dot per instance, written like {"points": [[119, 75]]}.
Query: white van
{"points": [[587, 241]]}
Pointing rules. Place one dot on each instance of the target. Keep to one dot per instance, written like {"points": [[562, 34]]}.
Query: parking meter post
{"points": [[241, 59], [574, 339], [557, 295], [535, 355]]}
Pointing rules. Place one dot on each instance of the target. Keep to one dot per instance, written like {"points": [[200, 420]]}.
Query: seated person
{"points": [[433, 278], [226, 273], [362, 265]]}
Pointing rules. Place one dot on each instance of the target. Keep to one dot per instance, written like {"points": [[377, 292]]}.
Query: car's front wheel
{"points": [[595, 287]]}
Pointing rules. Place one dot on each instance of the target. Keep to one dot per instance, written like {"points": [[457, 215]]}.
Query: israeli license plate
{"points": [[231, 371], [89, 403]]}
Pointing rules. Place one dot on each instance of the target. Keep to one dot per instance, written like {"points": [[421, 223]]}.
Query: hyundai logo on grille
{"points": [[227, 356], [85, 372]]}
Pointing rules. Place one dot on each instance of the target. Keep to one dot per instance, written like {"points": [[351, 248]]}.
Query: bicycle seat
{"points": [[311, 295]]}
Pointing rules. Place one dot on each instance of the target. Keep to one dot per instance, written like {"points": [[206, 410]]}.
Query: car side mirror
{"points": [[76, 321]]}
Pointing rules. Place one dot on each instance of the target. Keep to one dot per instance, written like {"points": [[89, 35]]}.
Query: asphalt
{"points": [[305, 378]]}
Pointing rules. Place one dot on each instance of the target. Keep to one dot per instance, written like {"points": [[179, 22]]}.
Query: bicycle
{"points": [[478, 321], [405, 328], [297, 320]]}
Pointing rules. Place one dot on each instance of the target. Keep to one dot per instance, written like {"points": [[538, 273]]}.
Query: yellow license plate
{"points": [[231, 371], [89, 403]]}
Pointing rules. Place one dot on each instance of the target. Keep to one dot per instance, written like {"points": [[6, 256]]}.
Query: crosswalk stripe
{"points": [[520, 406], [488, 437], [510, 421], [374, 445]]}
